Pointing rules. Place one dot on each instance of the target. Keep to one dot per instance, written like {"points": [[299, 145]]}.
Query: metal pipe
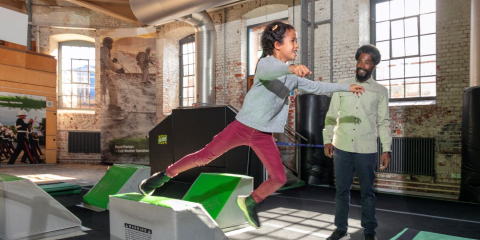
{"points": [[205, 48], [154, 12], [38, 39], [29, 28], [304, 27], [331, 41], [225, 101], [312, 39], [475, 44]]}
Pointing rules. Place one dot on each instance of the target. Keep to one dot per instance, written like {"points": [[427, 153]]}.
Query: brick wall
{"points": [[441, 121], [168, 72], [70, 15]]}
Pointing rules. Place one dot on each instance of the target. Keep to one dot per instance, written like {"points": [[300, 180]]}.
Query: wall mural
{"points": [[128, 82], [22, 128]]}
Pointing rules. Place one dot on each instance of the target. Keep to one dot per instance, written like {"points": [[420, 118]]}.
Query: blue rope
{"points": [[298, 145]]}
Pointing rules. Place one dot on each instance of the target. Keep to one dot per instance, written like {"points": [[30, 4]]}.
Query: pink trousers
{"points": [[234, 135]]}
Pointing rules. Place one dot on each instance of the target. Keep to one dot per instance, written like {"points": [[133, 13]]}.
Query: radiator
{"points": [[414, 156], [84, 142]]}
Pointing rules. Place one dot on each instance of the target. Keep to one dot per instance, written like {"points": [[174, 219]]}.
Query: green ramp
{"points": [[120, 178], [62, 188], [134, 216], [412, 234], [218, 193], [28, 212]]}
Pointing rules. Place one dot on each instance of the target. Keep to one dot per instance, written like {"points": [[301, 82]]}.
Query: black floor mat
{"points": [[394, 213]]}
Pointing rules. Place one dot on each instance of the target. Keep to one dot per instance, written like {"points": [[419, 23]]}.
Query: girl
{"points": [[264, 112]]}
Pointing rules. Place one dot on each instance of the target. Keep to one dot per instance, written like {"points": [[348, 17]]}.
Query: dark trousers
{"points": [[346, 164], [21, 146]]}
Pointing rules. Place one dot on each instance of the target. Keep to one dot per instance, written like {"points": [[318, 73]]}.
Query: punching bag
{"points": [[470, 185], [310, 112]]}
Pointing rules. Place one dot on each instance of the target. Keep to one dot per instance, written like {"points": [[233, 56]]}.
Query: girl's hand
{"points": [[299, 70], [354, 88]]}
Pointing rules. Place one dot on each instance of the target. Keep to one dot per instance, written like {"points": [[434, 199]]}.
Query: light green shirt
{"points": [[353, 122]]}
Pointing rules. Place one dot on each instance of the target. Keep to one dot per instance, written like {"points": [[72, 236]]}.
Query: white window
{"points": [[187, 71], [76, 75], [405, 33]]}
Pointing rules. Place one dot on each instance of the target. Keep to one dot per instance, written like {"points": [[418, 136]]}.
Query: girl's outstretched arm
{"points": [[316, 87]]}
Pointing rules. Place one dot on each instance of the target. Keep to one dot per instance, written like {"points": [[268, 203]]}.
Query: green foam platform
{"points": [[133, 216], [120, 178], [422, 235], [62, 188], [218, 192]]}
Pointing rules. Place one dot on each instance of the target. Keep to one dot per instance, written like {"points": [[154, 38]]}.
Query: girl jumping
{"points": [[264, 112]]}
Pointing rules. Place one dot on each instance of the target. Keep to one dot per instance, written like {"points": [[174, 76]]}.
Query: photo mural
{"points": [[128, 82]]}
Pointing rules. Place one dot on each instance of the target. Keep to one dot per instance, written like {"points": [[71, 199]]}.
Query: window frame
{"points": [[373, 40], [185, 40], [75, 43]]}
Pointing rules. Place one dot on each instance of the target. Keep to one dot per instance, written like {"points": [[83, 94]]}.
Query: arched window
{"points": [[187, 71], [76, 78]]}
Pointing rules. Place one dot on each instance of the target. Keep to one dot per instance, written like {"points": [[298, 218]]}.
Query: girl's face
{"points": [[287, 50]]}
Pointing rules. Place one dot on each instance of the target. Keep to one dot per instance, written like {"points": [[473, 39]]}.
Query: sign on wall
{"points": [[35, 108]]}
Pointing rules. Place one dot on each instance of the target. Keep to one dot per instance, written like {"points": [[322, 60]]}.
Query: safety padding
{"points": [[133, 216], [28, 212], [218, 192], [120, 178]]}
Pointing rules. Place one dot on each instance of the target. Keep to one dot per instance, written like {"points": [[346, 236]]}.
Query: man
{"points": [[106, 80], [143, 60], [22, 131], [350, 135]]}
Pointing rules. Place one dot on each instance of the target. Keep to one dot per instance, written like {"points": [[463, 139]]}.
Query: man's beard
{"points": [[363, 78]]}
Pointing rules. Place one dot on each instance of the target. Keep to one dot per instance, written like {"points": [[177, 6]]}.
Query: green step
{"points": [[7, 178], [115, 178], [422, 235], [155, 200], [212, 191], [62, 188]]}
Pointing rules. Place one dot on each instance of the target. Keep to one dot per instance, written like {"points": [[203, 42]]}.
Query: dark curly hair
{"points": [[274, 32], [369, 49]]}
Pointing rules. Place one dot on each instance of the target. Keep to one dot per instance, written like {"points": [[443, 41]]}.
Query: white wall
{"points": [[13, 26]]}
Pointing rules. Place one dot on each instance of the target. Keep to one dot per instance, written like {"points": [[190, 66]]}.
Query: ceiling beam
{"points": [[16, 6], [120, 12], [110, 1], [49, 2]]}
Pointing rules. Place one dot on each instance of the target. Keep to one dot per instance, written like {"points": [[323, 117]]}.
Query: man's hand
{"points": [[30, 120], [385, 159], [120, 70], [299, 70], [354, 88], [328, 148], [115, 60]]}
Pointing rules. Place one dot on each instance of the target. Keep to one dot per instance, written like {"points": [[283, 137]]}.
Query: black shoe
{"points": [[339, 235], [370, 237], [247, 205], [148, 186]]}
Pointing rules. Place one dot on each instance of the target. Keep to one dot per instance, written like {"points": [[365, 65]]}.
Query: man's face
{"points": [[108, 45], [22, 116], [148, 51], [365, 67]]}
